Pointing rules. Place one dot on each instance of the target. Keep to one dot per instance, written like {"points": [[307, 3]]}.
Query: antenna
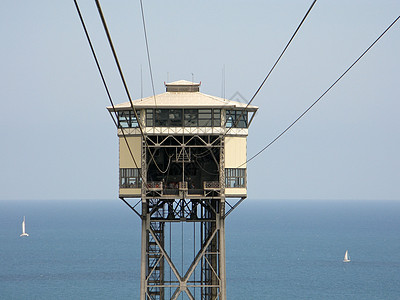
{"points": [[141, 82], [223, 82], [192, 77]]}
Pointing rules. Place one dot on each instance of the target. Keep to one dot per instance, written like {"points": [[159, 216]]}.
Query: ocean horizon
{"points": [[275, 249]]}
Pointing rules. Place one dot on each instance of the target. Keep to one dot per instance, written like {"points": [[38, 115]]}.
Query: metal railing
{"points": [[183, 185], [211, 185], [155, 185]]}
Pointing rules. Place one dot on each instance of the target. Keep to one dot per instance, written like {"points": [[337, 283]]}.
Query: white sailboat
{"points": [[23, 229], [346, 256]]}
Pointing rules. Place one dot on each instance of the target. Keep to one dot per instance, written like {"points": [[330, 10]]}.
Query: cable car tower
{"points": [[182, 155]]}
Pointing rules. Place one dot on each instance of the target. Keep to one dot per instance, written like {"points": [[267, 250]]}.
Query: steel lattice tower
{"points": [[183, 158]]}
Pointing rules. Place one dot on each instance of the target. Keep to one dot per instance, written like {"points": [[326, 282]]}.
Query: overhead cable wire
{"points": [[273, 67], [167, 168], [106, 88], [148, 52], [96, 60], [315, 102], [103, 20]]}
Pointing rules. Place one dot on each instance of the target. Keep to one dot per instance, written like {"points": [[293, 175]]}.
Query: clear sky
{"points": [[58, 141]]}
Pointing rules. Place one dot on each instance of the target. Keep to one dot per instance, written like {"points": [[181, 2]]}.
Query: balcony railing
{"points": [[183, 186], [155, 186], [174, 188], [211, 185]]}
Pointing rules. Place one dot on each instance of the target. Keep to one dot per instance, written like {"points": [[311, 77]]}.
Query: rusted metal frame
{"points": [[158, 193], [166, 256], [216, 140], [200, 286], [152, 158], [216, 296], [207, 193], [150, 140], [206, 205], [159, 205], [157, 143], [177, 208], [251, 120], [191, 138], [155, 265], [165, 139], [199, 255], [178, 292], [149, 297], [182, 207], [188, 146], [193, 266], [202, 140], [233, 207], [188, 210], [175, 220], [174, 138], [212, 269], [207, 201], [132, 207]]}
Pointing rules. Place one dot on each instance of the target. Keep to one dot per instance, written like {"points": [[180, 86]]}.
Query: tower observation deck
{"points": [[182, 159]]}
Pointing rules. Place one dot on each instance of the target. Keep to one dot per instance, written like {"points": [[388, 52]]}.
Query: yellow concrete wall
{"points": [[235, 151], [125, 159], [130, 192], [238, 192]]}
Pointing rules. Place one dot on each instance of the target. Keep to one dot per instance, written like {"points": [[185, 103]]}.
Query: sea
{"points": [[275, 249]]}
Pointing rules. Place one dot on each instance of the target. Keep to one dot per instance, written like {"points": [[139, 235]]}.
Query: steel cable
{"points": [[269, 73], [106, 88], [315, 102]]}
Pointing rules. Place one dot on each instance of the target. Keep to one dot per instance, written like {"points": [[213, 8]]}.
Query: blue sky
{"points": [[58, 141]]}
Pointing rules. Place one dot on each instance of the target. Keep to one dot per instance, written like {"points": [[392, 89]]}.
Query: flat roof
{"points": [[183, 99]]}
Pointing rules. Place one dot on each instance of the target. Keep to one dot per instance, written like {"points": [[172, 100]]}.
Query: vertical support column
{"points": [[145, 226], [222, 260], [143, 258], [221, 222]]}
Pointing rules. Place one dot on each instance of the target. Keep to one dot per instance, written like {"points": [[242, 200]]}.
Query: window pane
{"points": [[236, 118], [149, 117], [235, 178], [123, 118], [175, 117], [129, 178], [191, 117], [216, 118], [205, 117], [161, 117], [134, 122]]}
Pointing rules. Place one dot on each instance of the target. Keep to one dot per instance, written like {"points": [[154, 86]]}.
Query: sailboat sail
{"points": [[346, 256], [23, 229]]}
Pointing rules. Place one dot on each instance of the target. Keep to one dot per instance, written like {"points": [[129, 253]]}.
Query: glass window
{"points": [[175, 117], [216, 118], [205, 117], [179, 117], [130, 178], [191, 118], [161, 117], [235, 178], [236, 118], [149, 117], [134, 122], [127, 119], [123, 119]]}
